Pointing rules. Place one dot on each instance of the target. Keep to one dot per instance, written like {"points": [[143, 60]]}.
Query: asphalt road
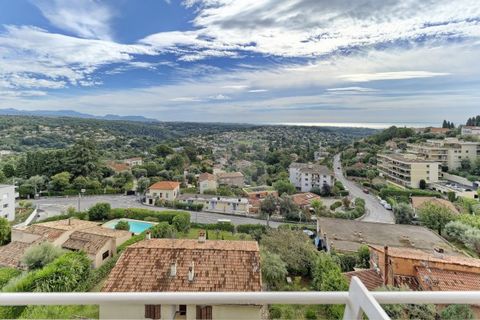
{"points": [[375, 211], [49, 207]]}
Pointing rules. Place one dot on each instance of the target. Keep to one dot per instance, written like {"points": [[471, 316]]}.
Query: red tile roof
{"points": [[305, 199], [165, 185], [369, 277], [12, 253], [447, 280], [206, 176], [218, 266]]}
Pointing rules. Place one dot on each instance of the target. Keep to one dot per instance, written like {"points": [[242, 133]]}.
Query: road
{"points": [[50, 207], [375, 211]]}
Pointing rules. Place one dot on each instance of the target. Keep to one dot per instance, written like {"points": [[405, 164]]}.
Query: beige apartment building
{"points": [[407, 170], [162, 190], [217, 204], [449, 152]]}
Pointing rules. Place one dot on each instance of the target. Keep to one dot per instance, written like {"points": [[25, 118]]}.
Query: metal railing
{"points": [[358, 300]]}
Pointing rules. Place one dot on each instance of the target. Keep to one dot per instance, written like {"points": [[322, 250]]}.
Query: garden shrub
{"points": [[6, 274], [335, 205], [122, 225], [181, 223], [39, 256], [141, 214]]}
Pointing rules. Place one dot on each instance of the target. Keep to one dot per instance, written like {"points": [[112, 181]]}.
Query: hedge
{"points": [[141, 214], [249, 228], [65, 274], [391, 192], [335, 205], [223, 226], [179, 205], [6, 274]]}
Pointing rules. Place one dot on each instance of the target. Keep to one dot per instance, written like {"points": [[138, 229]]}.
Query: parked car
{"points": [[366, 191], [387, 206]]}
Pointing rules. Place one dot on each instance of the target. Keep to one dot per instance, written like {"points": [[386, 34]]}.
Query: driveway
{"points": [[50, 207], [375, 212]]}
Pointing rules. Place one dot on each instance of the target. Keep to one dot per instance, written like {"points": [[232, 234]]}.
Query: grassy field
{"points": [[214, 235]]}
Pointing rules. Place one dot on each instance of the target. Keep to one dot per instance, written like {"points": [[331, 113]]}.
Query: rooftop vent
{"points": [[202, 236], [191, 272], [173, 269], [149, 235]]}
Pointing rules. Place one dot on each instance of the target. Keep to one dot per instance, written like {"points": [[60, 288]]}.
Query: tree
{"points": [[60, 181], [99, 211], [403, 213], [371, 174], [422, 184], [465, 164], [457, 311], [319, 208], [142, 185], [3, 178], [363, 257], [288, 208], [5, 231], [122, 225], [293, 247], [37, 182], [83, 158], [38, 256], [181, 222], [162, 150], [274, 270], [284, 186], [435, 216], [326, 190], [269, 206], [346, 202], [9, 170], [162, 230]]}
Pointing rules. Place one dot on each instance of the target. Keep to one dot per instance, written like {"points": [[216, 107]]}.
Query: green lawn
{"points": [[61, 312]]}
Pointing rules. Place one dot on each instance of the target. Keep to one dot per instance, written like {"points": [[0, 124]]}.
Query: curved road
{"points": [[375, 211]]}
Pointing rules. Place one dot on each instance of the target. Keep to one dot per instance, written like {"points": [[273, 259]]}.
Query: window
{"points": [[204, 312], [153, 311], [105, 255], [5, 205], [166, 195], [182, 309]]}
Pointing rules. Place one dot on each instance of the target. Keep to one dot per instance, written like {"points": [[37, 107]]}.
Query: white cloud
{"points": [[85, 18], [185, 99], [398, 75], [257, 90], [219, 97], [351, 89]]}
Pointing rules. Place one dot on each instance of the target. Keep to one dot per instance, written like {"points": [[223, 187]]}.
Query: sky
{"points": [[250, 61]]}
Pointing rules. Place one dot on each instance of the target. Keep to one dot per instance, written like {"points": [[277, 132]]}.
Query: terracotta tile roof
{"points": [[88, 242], [406, 281], [439, 130], [418, 202], [12, 253], [370, 278], [206, 176], [416, 254], [305, 199], [107, 232], [165, 185], [226, 175], [68, 224], [218, 266], [118, 167], [45, 232], [447, 280]]}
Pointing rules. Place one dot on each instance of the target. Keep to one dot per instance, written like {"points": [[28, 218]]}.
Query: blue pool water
{"points": [[136, 226]]}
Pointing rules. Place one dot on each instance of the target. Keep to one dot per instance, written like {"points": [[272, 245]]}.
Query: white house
{"points": [[7, 201], [306, 176], [470, 130]]}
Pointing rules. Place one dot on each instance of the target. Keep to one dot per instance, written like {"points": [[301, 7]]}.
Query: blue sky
{"points": [[244, 61]]}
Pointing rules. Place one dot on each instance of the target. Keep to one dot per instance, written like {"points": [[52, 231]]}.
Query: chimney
{"points": [[202, 236], [149, 235], [173, 269], [191, 272], [386, 268]]}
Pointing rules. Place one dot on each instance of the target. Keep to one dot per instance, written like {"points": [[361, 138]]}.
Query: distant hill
{"points": [[71, 114]]}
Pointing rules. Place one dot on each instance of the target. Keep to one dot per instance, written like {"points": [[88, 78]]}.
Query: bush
{"points": [[99, 211], [162, 230], [310, 313], [142, 214], [181, 223], [251, 228], [6, 274], [122, 225], [471, 238], [455, 230], [393, 192], [40, 255], [5, 231], [335, 205], [457, 311]]}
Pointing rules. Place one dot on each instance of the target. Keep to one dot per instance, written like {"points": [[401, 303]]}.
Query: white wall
{"points": [[7, 202]]}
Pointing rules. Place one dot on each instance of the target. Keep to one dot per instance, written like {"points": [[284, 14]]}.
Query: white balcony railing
{"points": [[358, 299]]}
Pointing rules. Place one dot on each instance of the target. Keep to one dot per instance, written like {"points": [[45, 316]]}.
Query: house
{"points": [[162, 190], [304, 200], [185, 265], [7, 201], [431, 270], [235, 179], [438, 130], [217, 203], [136, 161], [256, 195], [420, 202], [207, 181], [470, 131], [73, 234], [118, 166], [348, 236], [407, 170], [305, 176]]}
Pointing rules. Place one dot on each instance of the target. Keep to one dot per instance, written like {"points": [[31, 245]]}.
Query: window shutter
{"points": [[153, 311], [204, 312]]}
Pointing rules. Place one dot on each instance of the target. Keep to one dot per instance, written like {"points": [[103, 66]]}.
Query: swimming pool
{"points": [[136, 226]]}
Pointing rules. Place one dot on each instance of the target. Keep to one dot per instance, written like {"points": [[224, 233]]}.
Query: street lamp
{"points": [[82, 191]]}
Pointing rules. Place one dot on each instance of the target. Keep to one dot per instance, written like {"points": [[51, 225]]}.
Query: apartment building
{"points": [[470, 131], [407, 170], [216, 203], [449, 152], [305, 176], [7, 201], [181, 265]]}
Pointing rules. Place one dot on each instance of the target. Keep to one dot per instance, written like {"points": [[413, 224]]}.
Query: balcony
{"points": [[358, 300]]}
